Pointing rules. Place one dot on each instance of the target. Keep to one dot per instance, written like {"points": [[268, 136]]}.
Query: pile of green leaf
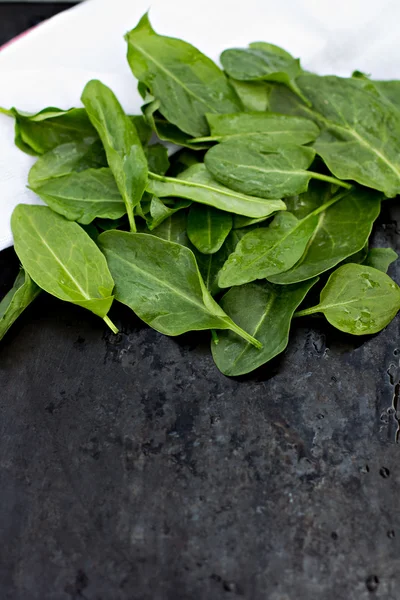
{"points": [[278, 178]]}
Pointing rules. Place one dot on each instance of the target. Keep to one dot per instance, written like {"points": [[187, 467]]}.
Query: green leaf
{"points": [[163, 129], [208, 227], [38, 133], [84, 196], [262, 61], [380, 258], [143, 129], [91, 230], [23, 292], [159, 211], [161, 283], [186, 83], [389, 90], [266, 311], [283, 101], [121, 142], [239, 222], [62, 259], [182, 160], [107, 224], [361, 139], [267, 131], [318, 193], [157, 158], [358, 299], [197, 184], [358, 257], [253, 95], [342, 230], [211, 264], [268, 250], [66, 159], [173, 229], [243, 167]]}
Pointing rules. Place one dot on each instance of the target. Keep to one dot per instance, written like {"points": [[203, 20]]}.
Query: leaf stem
{"points": [[306, 311], [5, 111], [111, 325], [296, 90], [323, 207], [132, 224], [246, 336], [214, 336], [209, 138], [333, 180]]}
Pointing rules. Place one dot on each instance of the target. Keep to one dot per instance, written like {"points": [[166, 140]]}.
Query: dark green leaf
{"points": [[358, 299], [65, 159], [84, 196], [157, 158], [361, 139], [161, 283], [208, 227], [165, 130], [239, 222], [268, 250], [197, 184], [91, 230], [358, 257], [380, 258], [243, 167], [262, 61], [389, 90], [186, 83], [180, 161], [318, 193], [211, 264], [62, 259], [254, 95], [51, 127], [23, 292], [107, 224], [159, 211], [267, 131], [143, 129], [266, 311], [342, 230], [173, 229], [121, 142]]}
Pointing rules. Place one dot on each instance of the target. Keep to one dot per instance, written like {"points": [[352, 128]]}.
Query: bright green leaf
{"points": [[161, 283], [380, 258], [342, 230], [186, 83], [23, 292], [62, 259], [121, 142], [243, 167], [84, 196], [197, 184], [358, 299]]}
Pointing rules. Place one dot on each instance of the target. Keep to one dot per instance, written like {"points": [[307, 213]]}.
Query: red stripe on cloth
{"points": [[17, 38]]}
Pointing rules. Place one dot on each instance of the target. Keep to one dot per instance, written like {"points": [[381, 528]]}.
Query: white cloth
{"points": [[51, 64]]}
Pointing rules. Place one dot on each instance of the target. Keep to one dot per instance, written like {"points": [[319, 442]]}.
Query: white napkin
{"points": [[52, 63]]}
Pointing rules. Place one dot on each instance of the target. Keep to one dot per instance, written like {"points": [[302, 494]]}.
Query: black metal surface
{"points": [[131, 469]]}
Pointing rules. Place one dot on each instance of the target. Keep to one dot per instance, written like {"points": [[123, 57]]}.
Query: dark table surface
{"points": [[131, 469]]}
